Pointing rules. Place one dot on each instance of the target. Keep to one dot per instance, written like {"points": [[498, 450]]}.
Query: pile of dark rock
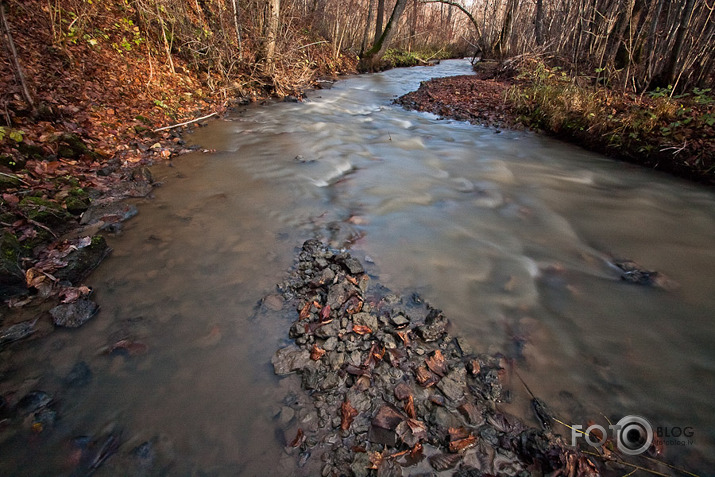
{"points": [[386, 389]]}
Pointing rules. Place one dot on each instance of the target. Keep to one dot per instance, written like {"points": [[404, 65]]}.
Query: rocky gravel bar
{"points": [[387, 387]]}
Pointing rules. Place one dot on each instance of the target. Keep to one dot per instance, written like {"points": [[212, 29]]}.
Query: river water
{"points": [[510, 234]]}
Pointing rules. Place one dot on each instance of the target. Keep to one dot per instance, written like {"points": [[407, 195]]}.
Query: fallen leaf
{"points": [[304, 312], [324, 314], [410, 407], [348, 413], [361, 329], [316, 353], [436, 363], [298, 439], [425, 377]]}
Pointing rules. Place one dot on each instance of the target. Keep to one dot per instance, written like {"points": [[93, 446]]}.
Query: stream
{"points": [[510, 234]]}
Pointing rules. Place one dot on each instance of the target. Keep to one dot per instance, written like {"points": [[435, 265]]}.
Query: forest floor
{"points": [[671, 134], [100, 104]]}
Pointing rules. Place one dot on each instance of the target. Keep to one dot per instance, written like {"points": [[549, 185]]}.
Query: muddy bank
{"points": [[387, 387]]}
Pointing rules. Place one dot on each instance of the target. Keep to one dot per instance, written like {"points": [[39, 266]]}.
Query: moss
{"points": [[8, 182], [12, 279], [45, 212], [72, 146], [31, 151], [77, 201]]}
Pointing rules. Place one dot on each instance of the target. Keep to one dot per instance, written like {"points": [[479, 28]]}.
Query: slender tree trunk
{"points": [[502, 46], [366, 34], [413, 27], [380, 18], [272, 25], [373, 56], [12, 56], [539, 22], [669, 73], [237, 25]]}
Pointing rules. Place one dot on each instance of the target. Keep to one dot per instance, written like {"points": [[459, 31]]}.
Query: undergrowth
{"points": [[658, 129]]}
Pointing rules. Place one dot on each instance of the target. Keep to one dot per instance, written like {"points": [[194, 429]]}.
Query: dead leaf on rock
{"points": [[304, 312], [425, 377], [362, 329], [410, 407], [388, 418], [348, 413], [324, 314], [436, 363], [316, 353]]}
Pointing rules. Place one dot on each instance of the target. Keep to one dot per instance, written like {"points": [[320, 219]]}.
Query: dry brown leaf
{"points": [[425, 377], [316, 353], [298, 439], [348, 413], [436, 363], [410, 407], [361, 329]]}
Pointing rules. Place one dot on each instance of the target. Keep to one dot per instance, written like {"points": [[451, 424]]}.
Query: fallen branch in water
{"points": [[185, 123]]}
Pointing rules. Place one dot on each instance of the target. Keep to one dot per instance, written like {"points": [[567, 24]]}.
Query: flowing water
{"points": [[510, 234]]}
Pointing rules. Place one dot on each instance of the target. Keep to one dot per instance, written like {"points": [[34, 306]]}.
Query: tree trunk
{"points": [[380, 19], [539, 22], [12, 56], [366, 34], [372, 58], [413, 26], [669, 72], [237, 25], [272, 25], [502, 47]]}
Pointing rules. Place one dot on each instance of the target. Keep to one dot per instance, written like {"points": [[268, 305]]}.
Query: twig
{"points": [[12, 176], [12, 53], [185, 123], [311, 44]]}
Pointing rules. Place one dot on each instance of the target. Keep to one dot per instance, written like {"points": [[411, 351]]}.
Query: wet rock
{"points": [[435, 326], [17, 332], [106, 214], [74, 315], [635, 273], [83, 260], [80, 375], [339, 294], [399, 321], [325, 277], [365, 319], [33, 402], [290, 359], [454, 384], [351, 264]]}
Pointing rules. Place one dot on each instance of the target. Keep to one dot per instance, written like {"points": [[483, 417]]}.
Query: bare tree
{"points": [[374, 55], [272, 25]]}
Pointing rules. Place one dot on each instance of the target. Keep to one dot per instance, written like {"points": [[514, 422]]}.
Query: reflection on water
{"points": [[508, 233]]}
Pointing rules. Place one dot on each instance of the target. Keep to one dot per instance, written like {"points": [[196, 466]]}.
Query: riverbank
{"points": [[89, 106], [674, 135]]}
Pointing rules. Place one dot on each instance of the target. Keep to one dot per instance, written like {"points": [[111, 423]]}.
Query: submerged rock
{"points": [[74, 315]]}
